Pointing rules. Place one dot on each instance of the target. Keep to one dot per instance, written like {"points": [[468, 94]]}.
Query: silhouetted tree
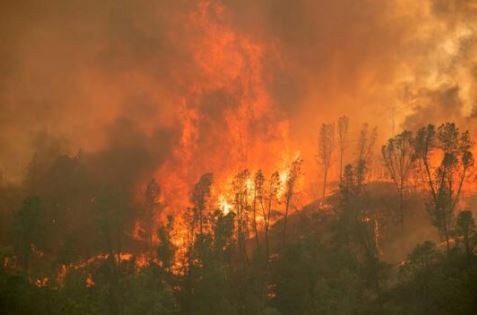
{"points": [[111, 207], [366, 142], [28, 225], [273, 188], [293, 174], [151, 203], [325, 151], [166, 248], [343, 123], [445, 181], [199, 197], [241, 189], [258, 195], [398, 155]]}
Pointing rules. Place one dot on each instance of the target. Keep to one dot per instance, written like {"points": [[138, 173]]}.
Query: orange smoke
{"points": [[245, 133]]}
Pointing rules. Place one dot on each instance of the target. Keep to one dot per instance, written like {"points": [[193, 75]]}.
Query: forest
{"points": [[238, 157], [403, 242]]}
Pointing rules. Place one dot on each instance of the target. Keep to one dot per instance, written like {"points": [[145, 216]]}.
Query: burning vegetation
{"points": [[235, 157]]}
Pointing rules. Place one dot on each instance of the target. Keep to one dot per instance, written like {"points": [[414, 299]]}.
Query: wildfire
{"points": [[224, 205], [283, 175], [231, 71]]}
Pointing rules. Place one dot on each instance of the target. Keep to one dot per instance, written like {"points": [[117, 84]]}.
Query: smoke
{"points": [[190, 87]]}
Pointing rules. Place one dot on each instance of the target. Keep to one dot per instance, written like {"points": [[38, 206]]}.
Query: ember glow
{"points": [[139, 128]]}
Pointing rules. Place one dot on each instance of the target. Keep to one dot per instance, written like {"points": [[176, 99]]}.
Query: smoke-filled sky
{"points": [[217, 85]]}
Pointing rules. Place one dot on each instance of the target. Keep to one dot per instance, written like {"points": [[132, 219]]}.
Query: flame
{"points": [[229, 63], [224, 205], [89, 282], [283, 174]]}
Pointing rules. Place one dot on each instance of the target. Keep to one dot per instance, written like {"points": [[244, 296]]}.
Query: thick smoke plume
{"points": [[173, 89]]}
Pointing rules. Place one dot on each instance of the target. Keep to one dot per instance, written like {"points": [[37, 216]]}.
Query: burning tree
{"points": [[451, 148], [398, 155], [199, 197]]}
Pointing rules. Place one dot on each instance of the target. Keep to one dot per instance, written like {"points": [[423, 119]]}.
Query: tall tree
{"points": [[273, 188], [195, 218], [366, 142], [343, 123], [29, 228], [151, 203], [325, 151], [199, 197], [111, 207], [258, 183], [166, 248], [241, 189], [398, 155], [446, 176], [358, 225], [293, 173]]}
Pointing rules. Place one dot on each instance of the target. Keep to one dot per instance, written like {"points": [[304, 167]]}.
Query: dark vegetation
{"points": [[367, 248]]}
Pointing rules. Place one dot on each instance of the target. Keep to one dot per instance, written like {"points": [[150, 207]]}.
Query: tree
{"points": [[151, 202], [292, 177], [242, 207], [196, 217], [356, 221], [343, 123], [223, 232], [465, 228], [325, 151], [259, 181], [199, 197], [445, 178], [29, 228], [166, 248], [111, 209], [398, 155], [366, 141], [273, 188]]}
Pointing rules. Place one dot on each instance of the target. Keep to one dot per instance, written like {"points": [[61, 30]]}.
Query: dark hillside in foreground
{"points": [[395, 241]]}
